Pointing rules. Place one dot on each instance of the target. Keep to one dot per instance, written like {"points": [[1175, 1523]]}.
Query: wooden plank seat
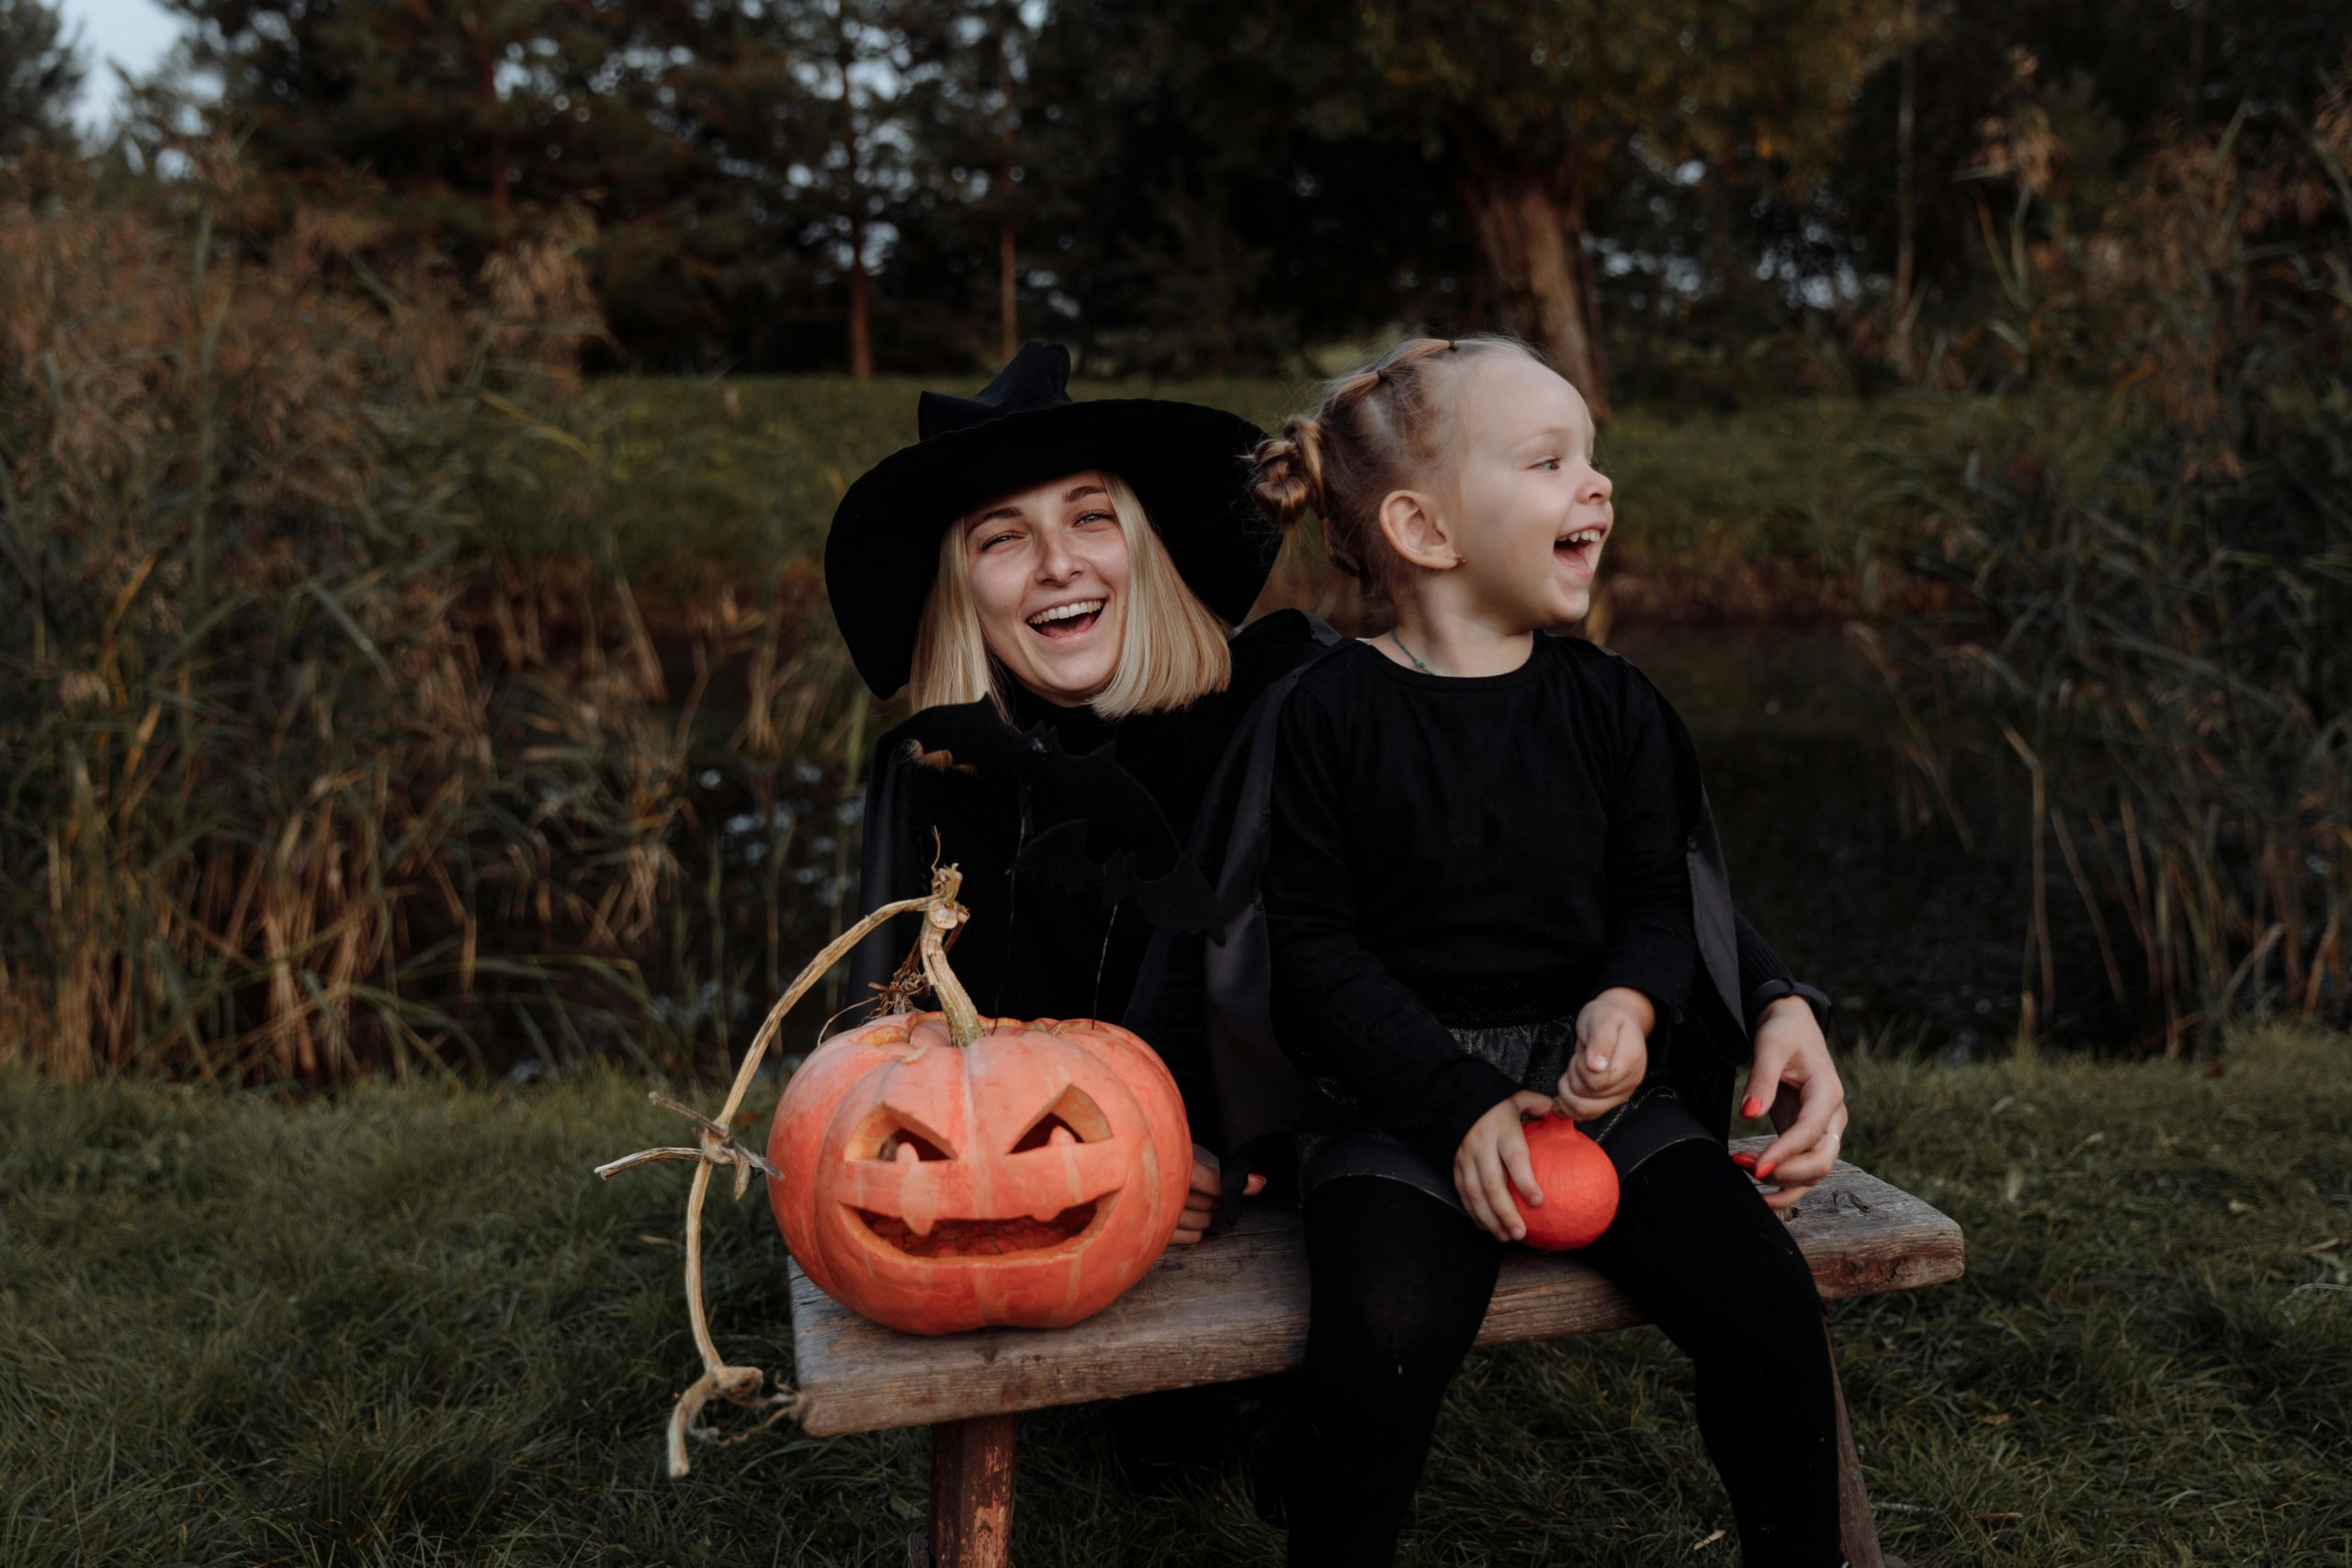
{"points": [[1235, 1307]]}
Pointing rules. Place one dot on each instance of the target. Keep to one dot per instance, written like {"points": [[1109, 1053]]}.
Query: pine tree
{"points": [[40, 77], [686, 129], [444, 117]]}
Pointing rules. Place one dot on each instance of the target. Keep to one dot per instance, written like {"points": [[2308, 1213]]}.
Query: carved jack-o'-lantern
{"points": [[940, 1171], [1024, 1175]]}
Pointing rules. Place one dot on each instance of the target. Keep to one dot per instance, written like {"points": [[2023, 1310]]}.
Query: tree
{"points": [[1202, 216], [40, 77], [971, 149], [2119, 79], [1528, 108], [877, 63], [712, 250], [685, 129], [442, 117]]}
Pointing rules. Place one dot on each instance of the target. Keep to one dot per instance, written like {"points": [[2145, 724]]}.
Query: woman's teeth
{"points": [[1581, 537], [1045, 618]]}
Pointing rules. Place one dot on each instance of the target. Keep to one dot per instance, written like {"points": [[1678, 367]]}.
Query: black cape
{"points": [[1202, 995], [1071, 831]]}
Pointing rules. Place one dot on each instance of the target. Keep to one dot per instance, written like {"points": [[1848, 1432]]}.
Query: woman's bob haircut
{"points": [[1172, 654]]}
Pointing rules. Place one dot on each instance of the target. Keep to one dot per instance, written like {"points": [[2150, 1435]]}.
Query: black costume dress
{"points": [[1446, 870], [1205, 998]]}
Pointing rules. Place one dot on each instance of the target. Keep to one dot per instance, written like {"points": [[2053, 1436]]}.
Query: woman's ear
{"points": [[1410, 522]]}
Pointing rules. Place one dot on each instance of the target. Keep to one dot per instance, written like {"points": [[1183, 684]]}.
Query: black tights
{"points": [[1400, 1283]]}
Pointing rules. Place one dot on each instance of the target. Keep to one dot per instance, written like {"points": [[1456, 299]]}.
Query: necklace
{"points": [[1408, 654]]}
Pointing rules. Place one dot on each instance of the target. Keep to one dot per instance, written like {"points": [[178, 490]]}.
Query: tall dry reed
{"points": [[301, 774], [2151, 529]]}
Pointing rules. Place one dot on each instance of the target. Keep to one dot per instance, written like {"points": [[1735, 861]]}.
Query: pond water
{"points": [[1843, 855], [1839, 854]]}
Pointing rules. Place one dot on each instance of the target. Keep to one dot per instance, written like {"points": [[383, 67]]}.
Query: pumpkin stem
{"points": [[944, 916]]}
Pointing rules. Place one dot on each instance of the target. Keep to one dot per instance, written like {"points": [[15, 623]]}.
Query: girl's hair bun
{"points": [[1289, 482], [1379, 428]]}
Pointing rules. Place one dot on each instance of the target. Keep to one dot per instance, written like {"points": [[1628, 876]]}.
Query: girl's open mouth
{"points": [[1580, 549], [1065, 623]]}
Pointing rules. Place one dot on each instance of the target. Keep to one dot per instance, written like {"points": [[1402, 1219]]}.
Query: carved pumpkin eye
{"points": [[1075, 1114], [892, 1136]]}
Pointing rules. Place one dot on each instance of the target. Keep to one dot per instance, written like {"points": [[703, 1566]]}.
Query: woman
{"points": [[1054, 580]]}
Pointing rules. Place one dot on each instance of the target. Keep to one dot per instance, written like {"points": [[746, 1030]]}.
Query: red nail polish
{"points": [[1744, 1159], [1764, 1172], [1752, 1107]]}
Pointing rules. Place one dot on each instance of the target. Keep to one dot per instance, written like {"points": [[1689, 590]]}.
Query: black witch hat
{"points": [[1189, 465]]}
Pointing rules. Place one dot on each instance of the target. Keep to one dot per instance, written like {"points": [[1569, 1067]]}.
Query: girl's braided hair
{"points": [[1377, 427]]}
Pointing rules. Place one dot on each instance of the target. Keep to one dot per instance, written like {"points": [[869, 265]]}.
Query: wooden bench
{"points": [[1235, 1307]]}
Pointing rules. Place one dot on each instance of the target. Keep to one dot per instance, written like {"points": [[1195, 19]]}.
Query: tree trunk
{"points": [[861, 332], [1007, 254], [861, 328], [1907, 237], [2196, 94], [1589, 279], [1008, 305], [502, 193], [1533, 236]]}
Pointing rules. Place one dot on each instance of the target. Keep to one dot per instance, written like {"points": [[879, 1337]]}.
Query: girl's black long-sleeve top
{"points": [[1456, 852]]}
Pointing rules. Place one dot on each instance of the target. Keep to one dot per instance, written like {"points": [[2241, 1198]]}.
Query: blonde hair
{"points": [[1375, 427], [1171, 654]]}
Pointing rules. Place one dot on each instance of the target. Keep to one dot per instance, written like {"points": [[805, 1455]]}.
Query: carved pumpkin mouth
{"points": [[914, 1170], [984, 1238]]}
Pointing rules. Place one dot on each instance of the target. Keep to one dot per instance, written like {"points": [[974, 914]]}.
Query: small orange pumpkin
{"points": [[1579, 1184]]}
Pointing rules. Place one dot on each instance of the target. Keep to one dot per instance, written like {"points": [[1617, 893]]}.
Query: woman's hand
{"points": [[1793, 1079], [1613, 1053], [1494, 1145], [1207, 1192]]}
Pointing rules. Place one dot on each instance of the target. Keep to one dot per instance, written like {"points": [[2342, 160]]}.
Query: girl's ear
{"points": [[1410, 522]]}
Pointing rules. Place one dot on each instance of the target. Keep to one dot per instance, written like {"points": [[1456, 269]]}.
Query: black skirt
{"points": [[1535, 1055]]}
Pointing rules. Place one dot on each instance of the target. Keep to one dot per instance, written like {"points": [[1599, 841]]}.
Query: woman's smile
{"points": [[1067, 622]]}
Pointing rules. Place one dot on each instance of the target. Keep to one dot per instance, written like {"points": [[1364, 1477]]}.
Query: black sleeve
{"points": [[1168, 1012], [894, 863], [1345, 1019], [1653, 945], [1765, 978], [1758, 963]]}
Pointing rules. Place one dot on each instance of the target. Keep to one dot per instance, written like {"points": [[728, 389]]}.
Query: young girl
{"points": [[1476, 898]]}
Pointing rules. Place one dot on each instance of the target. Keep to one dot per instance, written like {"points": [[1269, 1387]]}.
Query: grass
{"points": [[764, 460], [403, 1325]]}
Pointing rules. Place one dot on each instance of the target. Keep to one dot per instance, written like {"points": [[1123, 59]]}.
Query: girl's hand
{"points": [[1207, 1192], [1493, 1145], [1613, 1053], [1794, 1078]]}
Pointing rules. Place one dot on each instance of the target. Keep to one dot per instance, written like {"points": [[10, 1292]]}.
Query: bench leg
{"points": [[1856, 1530], [971, 1494]]}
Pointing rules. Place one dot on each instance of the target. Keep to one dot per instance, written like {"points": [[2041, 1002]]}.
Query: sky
{"points": [[133, 34]]}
